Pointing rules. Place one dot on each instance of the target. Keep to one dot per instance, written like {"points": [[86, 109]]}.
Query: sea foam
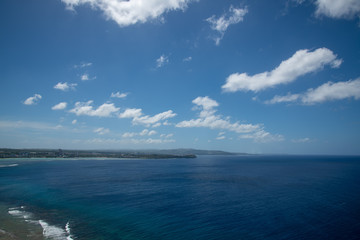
{"points": [[9, 165], [54, 232], [50, 232]]}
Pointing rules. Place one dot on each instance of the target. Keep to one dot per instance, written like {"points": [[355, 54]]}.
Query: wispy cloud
{"points": [[346, 9], [161, 61], [144, 132], [187, 59], [209, 119], [130, 12], [86, 108], [327, 92], [28, 125], [119, 95], [301, 63], [86, 77], [65, 86], [101, 131], [116, 142], [301, 140], [82, 65], [60, 106], [150, 121], [221, 24], [33, 100]]}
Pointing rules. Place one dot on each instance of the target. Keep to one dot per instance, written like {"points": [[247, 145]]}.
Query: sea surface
{"points": [[210, 197]]}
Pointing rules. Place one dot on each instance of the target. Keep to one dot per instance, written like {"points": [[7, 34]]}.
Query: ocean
{"points": [[210, 197]]}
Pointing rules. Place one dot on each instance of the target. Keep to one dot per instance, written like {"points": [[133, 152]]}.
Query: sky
{"points": [[253, 76]]}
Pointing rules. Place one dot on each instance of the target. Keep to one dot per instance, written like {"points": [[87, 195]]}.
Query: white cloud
{"points": [[84, 77], [84, 64], [151, 120], [129, 135], [205, 102], [74, 121], [101, 131], [222, 137], [167, 135], [221, 24], [301, 140], [301, 63], [65, 86], [119, 95], [144, 132], [109, 141], [263, 137], [187, 59], [85, 108], [327, 92], [129, 12], [59, 106], [161, 61], [347, 9], [282, 99], [208, 119], [131, 113], [152, 132], [33, 100], [333, 91], [28, 125]]}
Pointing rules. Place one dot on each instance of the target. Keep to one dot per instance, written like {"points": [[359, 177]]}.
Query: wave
{"points": [[54, 232], [50, 232], [9, 165]]}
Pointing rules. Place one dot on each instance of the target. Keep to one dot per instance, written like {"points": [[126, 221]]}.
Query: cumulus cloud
{"points": [[209, 119], [129, 12], [327, 92], [221, 24], [101, 131], [301, 63], [86, 108], [33, 100], [161, 61], [119, 95], [65, 86], [346, 9], [131, 113], [60, 106]]}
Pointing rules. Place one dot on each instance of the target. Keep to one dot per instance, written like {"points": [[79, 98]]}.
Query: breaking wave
{"points": [[50, 232]]}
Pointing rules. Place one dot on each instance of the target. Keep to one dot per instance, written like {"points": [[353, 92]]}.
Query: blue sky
{"points": [[243, 76]]}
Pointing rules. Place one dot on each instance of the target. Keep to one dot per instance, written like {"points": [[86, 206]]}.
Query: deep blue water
{"points": [[211, 197]]}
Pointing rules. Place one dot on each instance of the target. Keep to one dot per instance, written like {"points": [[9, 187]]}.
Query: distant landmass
{"points": [[60, 153]]}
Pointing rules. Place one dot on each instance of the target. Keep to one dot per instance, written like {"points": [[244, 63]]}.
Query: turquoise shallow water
{"points": [[211, 197]]}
